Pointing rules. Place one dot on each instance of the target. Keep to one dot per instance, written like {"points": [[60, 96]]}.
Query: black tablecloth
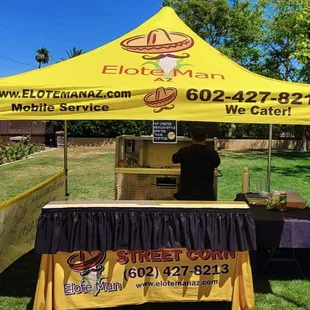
{"points": [[281, 230], [89, 229]]}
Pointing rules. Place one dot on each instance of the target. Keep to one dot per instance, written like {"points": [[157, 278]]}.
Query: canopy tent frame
{"points": [[66, 158], [142, 74]]}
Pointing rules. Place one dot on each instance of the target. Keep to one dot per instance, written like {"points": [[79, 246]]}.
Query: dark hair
{"points": [[199, 134]]}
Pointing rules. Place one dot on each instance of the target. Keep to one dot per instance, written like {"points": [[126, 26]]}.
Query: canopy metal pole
{"points": [[66, 157], [269, 158]]}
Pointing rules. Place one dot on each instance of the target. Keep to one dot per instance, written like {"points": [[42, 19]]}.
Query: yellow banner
{"points": [[160, 70], [19, 216], [83, 280]]}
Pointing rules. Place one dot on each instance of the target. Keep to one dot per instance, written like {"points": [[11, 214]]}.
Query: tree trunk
{"points": [[39, 64]]}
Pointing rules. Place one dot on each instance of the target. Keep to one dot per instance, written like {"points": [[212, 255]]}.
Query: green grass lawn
{"points": [[91, 177], [289, 170], [91, 173]]}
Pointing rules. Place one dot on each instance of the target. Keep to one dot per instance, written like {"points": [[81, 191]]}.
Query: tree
{"points": [[303, 31], [43, 56], [73, 53], [285, 34], [302, 52], [233, 27], [279, 40]]}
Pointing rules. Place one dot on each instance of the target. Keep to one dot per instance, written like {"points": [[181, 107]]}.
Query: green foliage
{"points": [[303, 29], [111, 129], [280, 38], [108, 129], [10, 152], [233, 27], [74, 52], [259, 131]]}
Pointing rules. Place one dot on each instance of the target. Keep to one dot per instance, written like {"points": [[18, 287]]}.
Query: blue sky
{"points": [[60, 25]]}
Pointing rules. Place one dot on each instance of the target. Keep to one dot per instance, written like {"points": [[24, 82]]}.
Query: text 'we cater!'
{"points": [[251, 102]]}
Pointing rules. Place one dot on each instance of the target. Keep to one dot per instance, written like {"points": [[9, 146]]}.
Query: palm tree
{"points": [[74, 52], [43, 56]]}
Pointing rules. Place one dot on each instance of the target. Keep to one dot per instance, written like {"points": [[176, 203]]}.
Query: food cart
{"points": [[144, 170]]}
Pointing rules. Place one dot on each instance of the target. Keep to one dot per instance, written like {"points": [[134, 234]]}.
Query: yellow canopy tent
{"points": [[160, 70]]}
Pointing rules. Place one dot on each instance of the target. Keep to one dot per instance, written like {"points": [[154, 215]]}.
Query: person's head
{"points": [[199, 135]]}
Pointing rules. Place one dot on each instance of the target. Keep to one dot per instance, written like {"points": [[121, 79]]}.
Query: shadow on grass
{"points": [[188, 306], [243, 154], [20, 279], [262, 286], [280, 271], [286, 154], [283, 270], [290, 154], [179, 306], [297, 304], [298, 170]]}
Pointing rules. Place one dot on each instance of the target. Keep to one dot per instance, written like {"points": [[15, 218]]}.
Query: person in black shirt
{"points": [[198, 162]]}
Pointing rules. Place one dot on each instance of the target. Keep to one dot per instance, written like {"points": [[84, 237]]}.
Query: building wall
{"points": [[40, 131], [223, 144]]}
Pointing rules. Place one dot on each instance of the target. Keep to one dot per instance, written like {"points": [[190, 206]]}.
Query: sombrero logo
{"points": [[164, 53], [90, 268], [159, 48], [161, 99]]}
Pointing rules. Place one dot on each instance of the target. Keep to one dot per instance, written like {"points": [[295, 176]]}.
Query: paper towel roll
{"points": [[245, 180]]}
